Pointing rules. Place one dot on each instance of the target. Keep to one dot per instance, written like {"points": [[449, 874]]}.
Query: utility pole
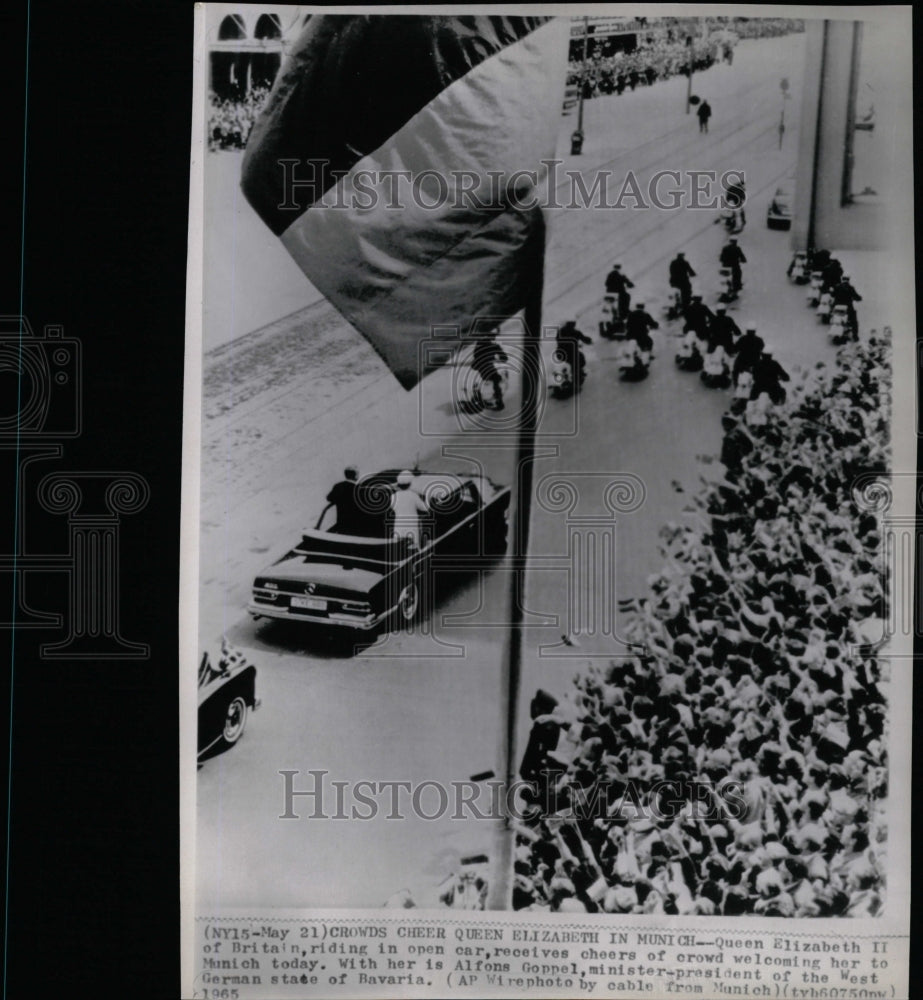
{"points": [[783, 86], [586, 31], [691, 47]]}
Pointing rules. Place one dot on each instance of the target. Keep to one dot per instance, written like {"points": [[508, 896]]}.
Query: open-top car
{"points": [[227, 692], [373, 574]]}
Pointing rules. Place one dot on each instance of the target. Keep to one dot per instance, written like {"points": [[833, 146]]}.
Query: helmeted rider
{"points": [[732, 256], [831, 275], [723, 332], [569, 339], [618, 284], [698, 318], [638, 327], [845, 295], [680, 273], [736, 197], [768, 376], [749, 348]]}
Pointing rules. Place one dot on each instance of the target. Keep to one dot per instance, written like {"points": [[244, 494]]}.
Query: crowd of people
{"points": [[765, 27], [735, 762], [230, 120], [663, 53], [658, 59]]}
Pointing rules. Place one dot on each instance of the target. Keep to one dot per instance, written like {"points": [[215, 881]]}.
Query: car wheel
{"points": [[235, 719], [408, 603]]}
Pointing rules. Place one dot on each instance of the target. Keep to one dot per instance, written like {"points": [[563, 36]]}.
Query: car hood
{"points": [[334, 575]]}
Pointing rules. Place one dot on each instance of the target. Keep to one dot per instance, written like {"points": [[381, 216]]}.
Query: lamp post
{"points": [[576, 139]]}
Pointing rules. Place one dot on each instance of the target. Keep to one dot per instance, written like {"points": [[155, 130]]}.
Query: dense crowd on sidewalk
{"points": [[231, 119], [736, 762], [663, 53]]}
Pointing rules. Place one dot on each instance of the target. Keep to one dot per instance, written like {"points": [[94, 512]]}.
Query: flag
{"points": [[395, 158]]}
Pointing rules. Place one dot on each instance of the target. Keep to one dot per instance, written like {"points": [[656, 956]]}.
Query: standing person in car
{"points": [[407, 507]]}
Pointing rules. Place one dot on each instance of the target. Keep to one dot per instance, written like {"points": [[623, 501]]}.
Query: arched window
{"points": [[232, 27], [268, 26]]}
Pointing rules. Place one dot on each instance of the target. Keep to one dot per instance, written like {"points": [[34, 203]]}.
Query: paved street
{"points": [[288, 405]]}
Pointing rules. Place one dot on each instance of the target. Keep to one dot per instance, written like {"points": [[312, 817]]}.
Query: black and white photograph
{"points": [[549, 483]]}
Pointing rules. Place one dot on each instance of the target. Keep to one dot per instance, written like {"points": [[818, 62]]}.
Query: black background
{"points": [[93, 901], [94, 845]]}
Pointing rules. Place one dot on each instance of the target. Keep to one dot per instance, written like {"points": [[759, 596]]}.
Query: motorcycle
{"points": [[757, 411], [817, 285], [477, 394], [611, 323], [842, 328], [716, 372], [727, 293], [674, 308], [798, 269], [689, 355], [743, 387], [824, 307], [562, 384], [633, 363], [731, 219]]}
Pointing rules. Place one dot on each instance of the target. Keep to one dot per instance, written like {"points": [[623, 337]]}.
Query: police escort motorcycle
{"points": [[611, 321], [814, 292], [634, 364], [743, 388], [842, 328], [798, 272], [716, 371], [726, 289], [689, 357]]}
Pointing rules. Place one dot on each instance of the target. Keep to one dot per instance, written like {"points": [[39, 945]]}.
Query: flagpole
{"points": [[500, 891]]}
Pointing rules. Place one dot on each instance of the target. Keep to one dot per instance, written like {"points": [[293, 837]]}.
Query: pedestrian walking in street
{"points": [[704, 114]]}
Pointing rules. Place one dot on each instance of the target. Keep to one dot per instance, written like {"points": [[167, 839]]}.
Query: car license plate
{"points": [[309, 603]]}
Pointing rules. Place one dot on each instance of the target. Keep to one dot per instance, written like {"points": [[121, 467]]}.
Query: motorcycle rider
{"points": [[569, 339], [698, 318], [845, 295], [732, 256], [749, 348], [832, 274], [638, 327], [680, 273], [486, 354], [768, 376], [618, 284], [736, 196], [723, 332]]}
